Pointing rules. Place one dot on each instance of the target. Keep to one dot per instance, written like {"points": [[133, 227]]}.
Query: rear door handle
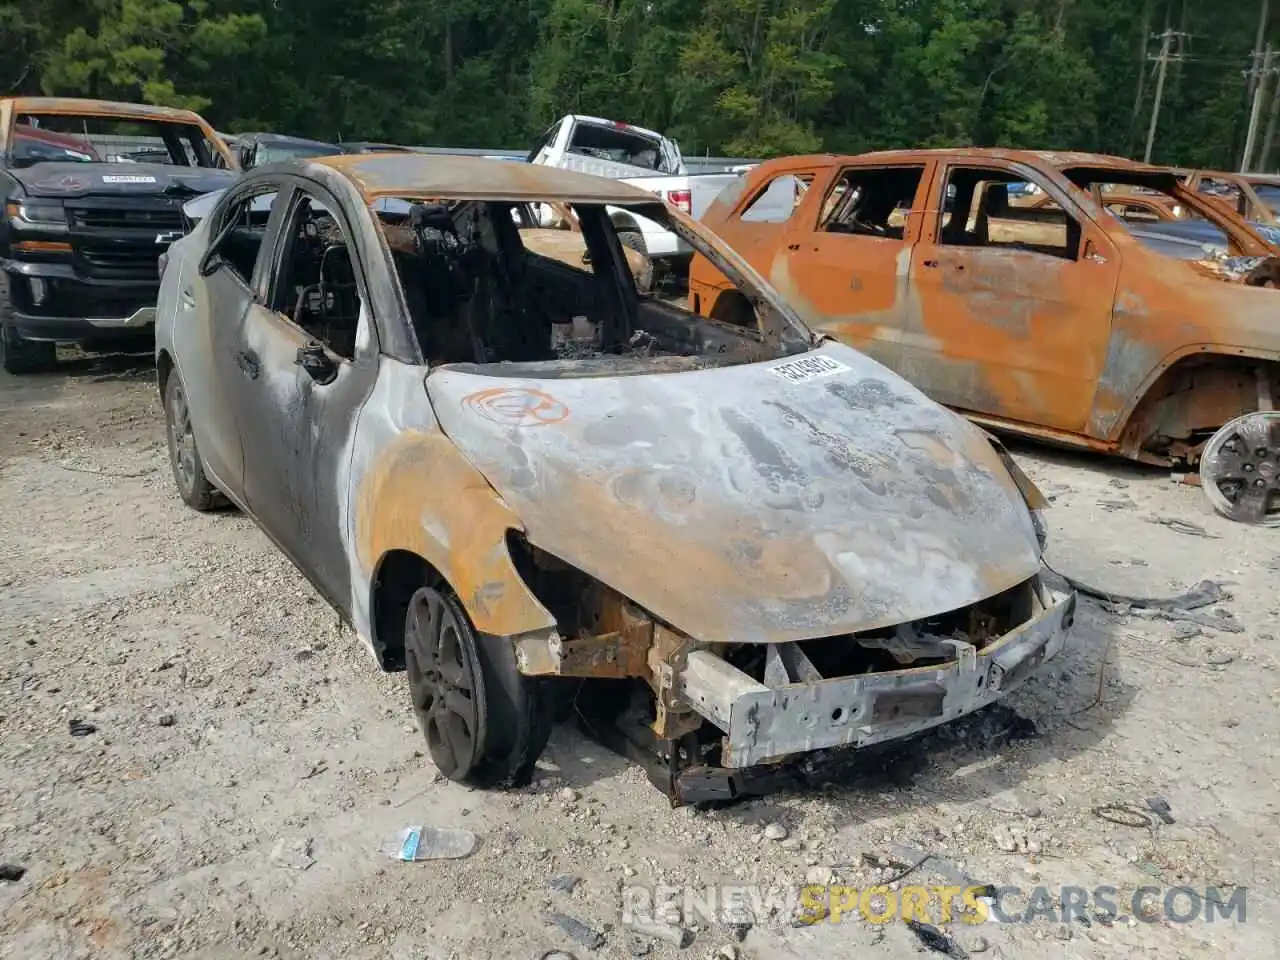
{"points": [[247, 361], [188, 299]]}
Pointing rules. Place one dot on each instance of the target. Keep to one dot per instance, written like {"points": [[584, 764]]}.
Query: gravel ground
{"points": [[248, 762]]}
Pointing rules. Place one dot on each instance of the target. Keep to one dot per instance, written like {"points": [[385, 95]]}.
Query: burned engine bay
{"points": [[477, 295]]}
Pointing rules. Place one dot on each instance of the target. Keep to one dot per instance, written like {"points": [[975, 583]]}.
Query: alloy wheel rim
{"points": [[443, 683], [1240, 469]]}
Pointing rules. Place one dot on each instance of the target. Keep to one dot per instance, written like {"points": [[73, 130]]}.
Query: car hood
{"points": [[80, 179], [742, 506]]}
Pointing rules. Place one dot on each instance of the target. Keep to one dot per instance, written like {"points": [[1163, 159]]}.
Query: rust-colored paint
{"points": [[421, 496], [1005, 318], [12, 107], [1245, 201]]}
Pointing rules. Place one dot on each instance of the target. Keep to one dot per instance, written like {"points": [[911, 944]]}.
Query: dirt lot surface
{"points": [[248, 762]]}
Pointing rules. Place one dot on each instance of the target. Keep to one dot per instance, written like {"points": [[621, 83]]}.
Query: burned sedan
{"points": [[504, 470]]}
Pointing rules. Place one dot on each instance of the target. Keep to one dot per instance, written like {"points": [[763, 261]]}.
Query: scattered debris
{"points": [[579, 931], [166, 720], [1183, 632], [431, 843], [564, 883], [1178, 608], [972, 942], [567, 795], [11, 872], [937, 941], [678, 937], [293, 854], [1184, 526], [775, 831], [1123, 814], [80, 728], [1117, 504], [558, 955], [317, 768], [909, 856]]}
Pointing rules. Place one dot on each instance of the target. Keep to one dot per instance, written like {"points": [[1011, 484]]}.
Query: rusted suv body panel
{"points": [[1239, 193], [1052, 323]]}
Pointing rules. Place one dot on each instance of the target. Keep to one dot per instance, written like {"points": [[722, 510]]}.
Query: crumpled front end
{"points": [[797, 707]]}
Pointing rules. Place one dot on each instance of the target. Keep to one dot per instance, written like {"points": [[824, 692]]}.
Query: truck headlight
{"points": [[36, 211]]}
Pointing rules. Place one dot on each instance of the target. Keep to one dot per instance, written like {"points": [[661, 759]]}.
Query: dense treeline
{"points": [[739, 77]]}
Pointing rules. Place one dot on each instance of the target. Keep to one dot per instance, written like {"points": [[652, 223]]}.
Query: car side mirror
{"points": [[314, 359]]}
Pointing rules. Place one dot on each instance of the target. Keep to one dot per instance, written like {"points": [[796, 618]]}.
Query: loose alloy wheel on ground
{"points": [[1240, 469]]}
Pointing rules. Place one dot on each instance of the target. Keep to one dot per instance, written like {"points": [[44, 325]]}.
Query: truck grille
{"points": [[121, 238], [109, 219]]}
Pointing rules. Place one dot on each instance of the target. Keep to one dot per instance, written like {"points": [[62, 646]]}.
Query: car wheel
{"points": [[485, 723], [184, 456], [19, 356]]}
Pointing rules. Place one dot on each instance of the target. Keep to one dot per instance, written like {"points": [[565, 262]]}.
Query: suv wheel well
{"points": [[400, 573], [1191, 400]]}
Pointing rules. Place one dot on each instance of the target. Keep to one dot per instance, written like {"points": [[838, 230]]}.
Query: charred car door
{"points": [[849, 251], [309, 360], [213, 297], [1015, 304]]}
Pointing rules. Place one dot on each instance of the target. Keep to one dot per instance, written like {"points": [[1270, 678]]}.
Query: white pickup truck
{"points": [[640, 157]]}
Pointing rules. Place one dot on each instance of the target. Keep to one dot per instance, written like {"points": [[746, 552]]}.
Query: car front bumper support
{"points": [[764, 724]]}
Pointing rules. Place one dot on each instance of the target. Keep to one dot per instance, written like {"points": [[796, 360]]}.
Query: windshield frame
{"points": [[12, 111], [1242, 239]]}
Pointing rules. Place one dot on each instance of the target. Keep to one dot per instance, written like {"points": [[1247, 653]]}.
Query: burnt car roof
{"points": [[100, 108], [1053, 158], [475, 178]]}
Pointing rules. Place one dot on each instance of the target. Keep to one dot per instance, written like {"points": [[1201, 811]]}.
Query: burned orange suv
{"points": [[1059, 319]]}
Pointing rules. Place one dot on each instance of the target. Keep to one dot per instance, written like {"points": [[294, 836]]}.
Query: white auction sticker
{"points": [[808, 368], [122, 178]]}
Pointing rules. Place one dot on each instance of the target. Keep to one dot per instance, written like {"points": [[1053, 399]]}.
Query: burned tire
{"points": [[634, 240], [19, 356], [184, 456], [484, 722]]}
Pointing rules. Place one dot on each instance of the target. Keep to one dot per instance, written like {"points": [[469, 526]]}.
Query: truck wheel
{"points": [[485, 723], [633, 239], [19, 356], [184, 457]]}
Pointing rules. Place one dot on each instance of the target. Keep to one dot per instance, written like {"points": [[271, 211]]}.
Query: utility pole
{"points": [[1255, 112], [1166, 41], [1257, 46], [1269, 135]]}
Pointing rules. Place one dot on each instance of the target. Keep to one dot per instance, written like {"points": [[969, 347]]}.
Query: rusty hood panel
{"points": [[742, 506]]}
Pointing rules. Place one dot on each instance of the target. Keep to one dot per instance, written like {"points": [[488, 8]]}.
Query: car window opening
{"points": [[871, 202], [979, 214], [315, 286], [74, 138], [618, 146], [486, 284]]}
